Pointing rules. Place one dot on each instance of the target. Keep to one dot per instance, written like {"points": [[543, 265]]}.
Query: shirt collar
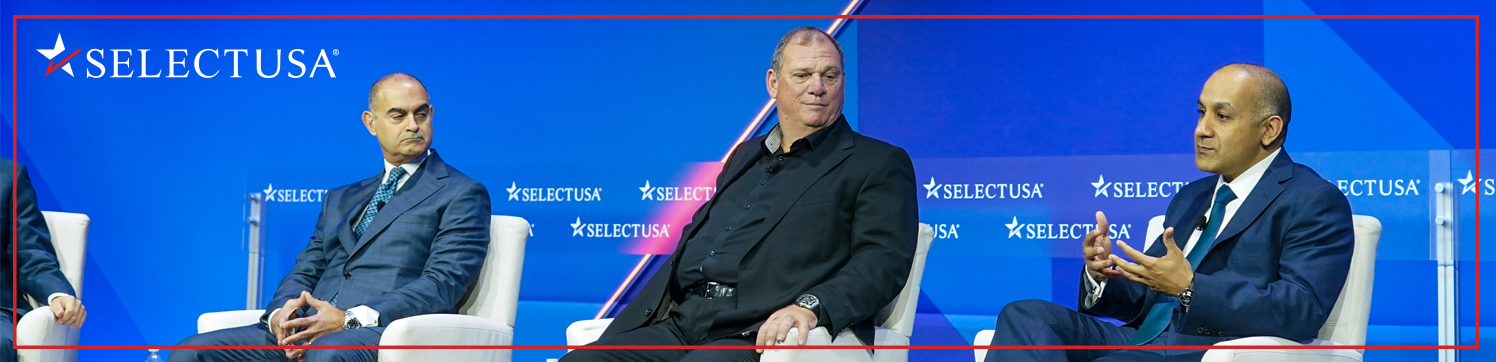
{"points": [[815, 139], [410, 168], [1243, 184]]}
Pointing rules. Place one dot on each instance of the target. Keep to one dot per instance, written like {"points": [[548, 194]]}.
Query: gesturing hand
{"points": [[778, 326], [1097, 248], [1169, 274], [68, 310], [328, 319]]}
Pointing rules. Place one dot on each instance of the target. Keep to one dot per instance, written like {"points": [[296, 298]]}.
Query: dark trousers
{"points": [[257, 335], [8, 353], [1042, 323], [687, 326]]}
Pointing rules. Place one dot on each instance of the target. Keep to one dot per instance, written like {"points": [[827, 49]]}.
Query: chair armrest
{"points": [[446, 330], [39, 328], [1285, 355], [586, 331], [984, 338], [208, 322], [821, 337]]}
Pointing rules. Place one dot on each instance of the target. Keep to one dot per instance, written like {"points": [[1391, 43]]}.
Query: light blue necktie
{"points": [[1163, 309], [380, 196]]}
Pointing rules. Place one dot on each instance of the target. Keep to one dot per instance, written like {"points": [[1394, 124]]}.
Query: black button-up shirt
{"points": [[712, 255]]}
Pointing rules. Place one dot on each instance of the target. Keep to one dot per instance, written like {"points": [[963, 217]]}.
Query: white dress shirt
{"points": [[1241, 186], [366, 316]]}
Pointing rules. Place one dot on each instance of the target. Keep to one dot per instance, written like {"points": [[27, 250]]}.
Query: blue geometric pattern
{"points": [[380, 196]]}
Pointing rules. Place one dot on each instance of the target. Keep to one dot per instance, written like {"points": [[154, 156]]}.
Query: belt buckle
{"points": [[710, 291]]}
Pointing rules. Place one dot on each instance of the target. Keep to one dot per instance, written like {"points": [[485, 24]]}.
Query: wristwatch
{"points": [[350, 322], [808, 301], [1186, 296]]}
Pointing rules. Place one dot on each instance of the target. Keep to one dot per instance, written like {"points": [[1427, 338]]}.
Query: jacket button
{"points": [[347, 275]]}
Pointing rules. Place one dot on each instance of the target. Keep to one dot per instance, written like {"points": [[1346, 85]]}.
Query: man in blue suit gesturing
{"points": [[1266, 253], [405, 242]]}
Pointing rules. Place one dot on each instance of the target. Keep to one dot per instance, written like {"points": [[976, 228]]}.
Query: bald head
{"points": [[389, 80], [1271, 94]]}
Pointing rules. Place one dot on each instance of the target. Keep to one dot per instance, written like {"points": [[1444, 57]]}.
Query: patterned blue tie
{"points": [[380, 196], [1163, 309]]}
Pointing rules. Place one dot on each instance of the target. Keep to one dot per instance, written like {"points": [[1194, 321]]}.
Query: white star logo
{"points": [[647, 195], [1013, 227], [1100, 185], [513, 191], [52, 53], [1468, 182], [930, 189], [576, 227], [269, 192]]}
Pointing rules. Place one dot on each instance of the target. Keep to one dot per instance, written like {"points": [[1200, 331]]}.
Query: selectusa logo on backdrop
{"points": [[676, 193], [553, 194], [1470, 184], [946, 231], [293, 195], [1386, 187], [184, 63], [1135, 189], [983, 191], [1063, 231], [580, 229]]}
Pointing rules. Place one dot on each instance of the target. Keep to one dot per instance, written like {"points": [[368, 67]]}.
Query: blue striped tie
{"points": [[1163, 308], [380, 196]]}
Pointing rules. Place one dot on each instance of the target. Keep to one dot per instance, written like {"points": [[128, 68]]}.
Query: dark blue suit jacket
{"points": [[1274, 270], [419, 256], [39, 275]]}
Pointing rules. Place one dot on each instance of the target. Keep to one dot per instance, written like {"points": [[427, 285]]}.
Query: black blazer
{"points": [[33, 255], [846, 236]]}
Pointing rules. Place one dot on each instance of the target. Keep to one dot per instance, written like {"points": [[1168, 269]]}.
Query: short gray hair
{"points": [[803, 36]]}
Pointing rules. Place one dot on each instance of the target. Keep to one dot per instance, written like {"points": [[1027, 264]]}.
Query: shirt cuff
{"points": [[272, 316], [1095, 288], [54, 296], [367, 317]]}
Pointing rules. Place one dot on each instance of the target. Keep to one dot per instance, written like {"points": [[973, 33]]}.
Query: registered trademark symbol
{"points": [[334, 52]]}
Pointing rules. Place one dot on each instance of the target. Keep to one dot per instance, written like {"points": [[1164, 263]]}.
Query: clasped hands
{"points": [[1169, 274], [284, 325]]}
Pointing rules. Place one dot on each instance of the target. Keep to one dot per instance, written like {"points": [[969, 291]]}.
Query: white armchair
{"points": [[39, 327], [895, 325], [1346, 325], [486, 319]]}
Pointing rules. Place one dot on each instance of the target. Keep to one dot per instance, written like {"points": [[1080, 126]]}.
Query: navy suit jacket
{"points": [[419, 256], [1275, 270], [39, 275]]}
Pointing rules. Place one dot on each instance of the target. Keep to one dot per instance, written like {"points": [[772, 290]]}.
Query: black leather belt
{"points": [[713, 290]]}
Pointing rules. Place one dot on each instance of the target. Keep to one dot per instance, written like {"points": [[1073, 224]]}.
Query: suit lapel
{"points": [[420, 186], [734, 169], [1268, 188], [1184, 222], [352, 205], [794, 188]]}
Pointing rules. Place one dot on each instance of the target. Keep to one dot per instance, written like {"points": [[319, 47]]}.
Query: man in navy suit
{"points": [[406, 242], [1266, 248], [34, 259]]}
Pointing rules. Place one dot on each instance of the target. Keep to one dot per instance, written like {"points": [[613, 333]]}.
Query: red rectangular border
{"points": [[15, 105]]}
